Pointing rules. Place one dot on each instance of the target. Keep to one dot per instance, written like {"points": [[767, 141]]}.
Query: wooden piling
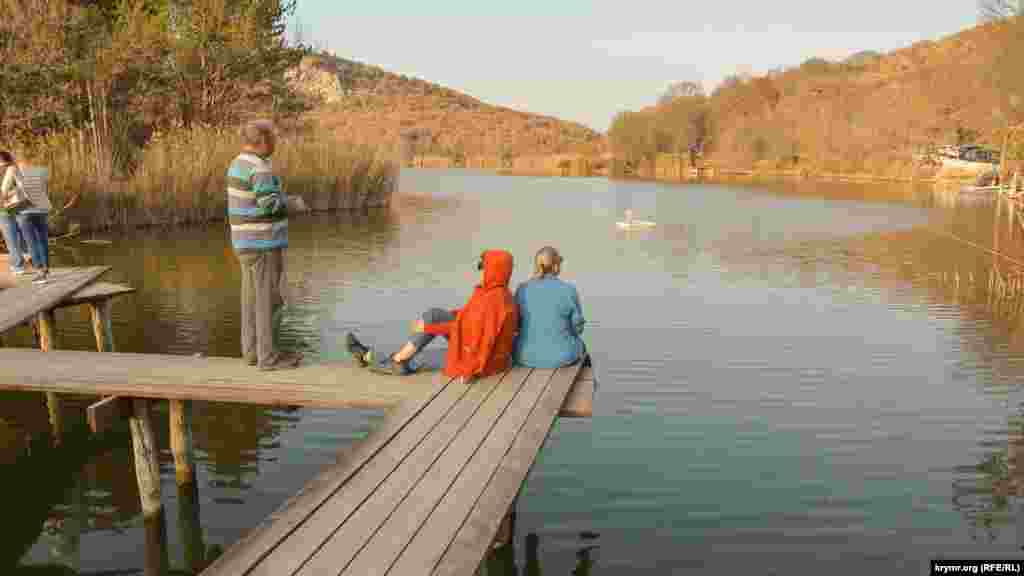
{"points": [[147, 474], [46, 322], [155, 559], [147, 468], [100, 313], [189, 527], [181, 441]]}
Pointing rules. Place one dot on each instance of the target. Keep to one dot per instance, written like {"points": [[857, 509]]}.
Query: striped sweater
{"points": [[257, 208]]}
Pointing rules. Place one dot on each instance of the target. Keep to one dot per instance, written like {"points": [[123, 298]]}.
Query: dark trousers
{"points": [[262, 288], [420, 339], [432, 316], [36, 231]]}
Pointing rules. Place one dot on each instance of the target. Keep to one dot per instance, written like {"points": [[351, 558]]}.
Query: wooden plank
{"points": [[217, 379], [495, 423], [376, 506], [335, 385], [24, 299], [96, 292], [413, 442], [477, 529], [259, 542], [104, 414], [424, 551]]}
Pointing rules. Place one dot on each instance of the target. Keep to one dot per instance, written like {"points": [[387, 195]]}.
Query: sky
{"points": [[585, 61]]}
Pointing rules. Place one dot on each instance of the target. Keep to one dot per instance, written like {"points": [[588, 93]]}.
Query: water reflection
{"points": [[854, 349], [45, 489], [988, 494], [501, 561], [233, 439]]}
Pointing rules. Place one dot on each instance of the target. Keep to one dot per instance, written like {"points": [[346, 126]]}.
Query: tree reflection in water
{"points": [[501, 561], [44, 476], [985, 493]]}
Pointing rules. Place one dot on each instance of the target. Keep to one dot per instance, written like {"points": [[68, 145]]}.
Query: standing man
{"points": [[258, 214]]}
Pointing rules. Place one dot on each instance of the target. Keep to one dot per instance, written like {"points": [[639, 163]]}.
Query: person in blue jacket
{"points": [[550, 316]]}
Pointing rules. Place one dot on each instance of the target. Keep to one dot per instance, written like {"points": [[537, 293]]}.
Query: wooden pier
{"points": [[426, 493]]}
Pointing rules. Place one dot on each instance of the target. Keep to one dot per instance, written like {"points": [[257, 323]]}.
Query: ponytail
{"points": [[547, 262]]}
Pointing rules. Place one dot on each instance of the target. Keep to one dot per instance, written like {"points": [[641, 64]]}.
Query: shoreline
{"points": [[730, 175], [674, 168]]}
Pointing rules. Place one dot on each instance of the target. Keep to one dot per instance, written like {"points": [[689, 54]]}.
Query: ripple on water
{"points": [[787, 398]]}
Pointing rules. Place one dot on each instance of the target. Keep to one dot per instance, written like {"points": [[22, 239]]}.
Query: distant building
{"points": [[969, 153]]}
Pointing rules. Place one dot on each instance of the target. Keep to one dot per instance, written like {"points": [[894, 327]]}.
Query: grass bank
{"points": [[179, 179]]}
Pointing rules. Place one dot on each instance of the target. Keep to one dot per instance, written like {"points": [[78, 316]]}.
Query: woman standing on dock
{"points": [[480, 334], [10, 177], [33, 222], [551, 316]]}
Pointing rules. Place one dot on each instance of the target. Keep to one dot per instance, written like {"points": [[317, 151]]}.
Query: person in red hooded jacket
{"points": [[480, 335]]}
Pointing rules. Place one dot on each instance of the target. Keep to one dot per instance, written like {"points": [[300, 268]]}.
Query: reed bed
{"points": [[179, 178]]}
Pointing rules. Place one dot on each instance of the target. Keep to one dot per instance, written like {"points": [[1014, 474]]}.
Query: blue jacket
{"points": [[550, 323]]}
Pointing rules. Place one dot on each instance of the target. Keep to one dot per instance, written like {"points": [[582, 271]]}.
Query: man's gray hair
{"points": [[255, 132]]}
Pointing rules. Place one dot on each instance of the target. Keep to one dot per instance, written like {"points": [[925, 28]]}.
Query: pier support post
{"points": [[47, 322], [101, 325], [189, 528], [147, 473], [181, 441]]}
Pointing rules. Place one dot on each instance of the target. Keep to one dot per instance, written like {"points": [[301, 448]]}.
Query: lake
{"points": [[792, 378]]}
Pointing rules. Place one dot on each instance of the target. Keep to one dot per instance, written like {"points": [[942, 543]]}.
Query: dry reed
{"points": [[180, 178]]}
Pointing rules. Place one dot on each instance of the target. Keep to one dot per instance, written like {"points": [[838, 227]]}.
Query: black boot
{"points": [[356, 349]]}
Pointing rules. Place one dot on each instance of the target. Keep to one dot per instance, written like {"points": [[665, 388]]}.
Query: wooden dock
{"points": [[425, 493], [218, 379], [23, 300]]}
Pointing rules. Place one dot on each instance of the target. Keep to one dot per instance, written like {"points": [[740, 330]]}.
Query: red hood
{"points": [[480, 341], [497, 268]]}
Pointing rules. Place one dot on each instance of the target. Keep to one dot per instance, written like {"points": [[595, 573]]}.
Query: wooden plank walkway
{"points": [[24, 300], [424, 494], [219, 379]]}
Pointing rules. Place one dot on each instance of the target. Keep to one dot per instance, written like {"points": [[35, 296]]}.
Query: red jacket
{"points": [[480, 337]]}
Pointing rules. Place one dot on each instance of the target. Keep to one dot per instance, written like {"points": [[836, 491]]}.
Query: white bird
{"points": [[631, 224]]}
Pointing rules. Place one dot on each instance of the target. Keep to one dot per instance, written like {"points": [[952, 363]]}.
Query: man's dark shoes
{"points": [[356, 349], [283, 361]]}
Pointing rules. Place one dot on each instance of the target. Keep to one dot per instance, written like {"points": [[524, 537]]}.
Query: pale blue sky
{"points": [[585, 60]]}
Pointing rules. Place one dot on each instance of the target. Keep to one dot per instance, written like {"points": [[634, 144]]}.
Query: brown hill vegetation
{"points": [[870, 113], [369, 105]]}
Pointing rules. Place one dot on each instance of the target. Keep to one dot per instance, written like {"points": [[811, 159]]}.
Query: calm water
{"points": [[791, 378]]}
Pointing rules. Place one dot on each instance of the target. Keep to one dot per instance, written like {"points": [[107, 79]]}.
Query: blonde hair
{"points": [[548, 261]]}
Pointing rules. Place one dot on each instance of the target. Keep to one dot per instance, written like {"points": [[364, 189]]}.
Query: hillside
{"points": [[370, 105], [870, 113]]}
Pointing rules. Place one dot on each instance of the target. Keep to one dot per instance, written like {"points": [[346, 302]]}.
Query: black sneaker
{"points": [[389, 366], [42, 277], [356, 349]]}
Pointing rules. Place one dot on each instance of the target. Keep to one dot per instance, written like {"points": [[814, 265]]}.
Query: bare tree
{"points": [[999, 9]]}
